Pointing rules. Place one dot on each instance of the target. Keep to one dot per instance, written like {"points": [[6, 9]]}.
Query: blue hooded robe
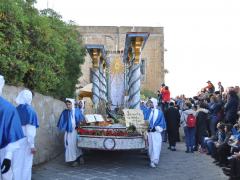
{"points": [[160, 121], [10, 124], [27, 115], [65, 123], [155, 138], [146, 111]]}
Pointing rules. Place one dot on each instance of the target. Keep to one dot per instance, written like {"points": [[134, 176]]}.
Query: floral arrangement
{"points": [[104, 132]]}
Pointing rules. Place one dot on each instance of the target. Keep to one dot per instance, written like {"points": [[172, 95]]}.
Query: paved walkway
{"points": [[133, 166]]}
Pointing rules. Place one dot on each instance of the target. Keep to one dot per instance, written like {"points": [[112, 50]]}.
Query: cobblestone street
{"points": [[133, 165]]}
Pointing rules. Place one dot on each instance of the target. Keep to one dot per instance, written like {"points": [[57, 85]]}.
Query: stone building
{"points": [[113, 38]]}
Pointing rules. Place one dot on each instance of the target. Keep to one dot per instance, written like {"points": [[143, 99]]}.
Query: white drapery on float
{"points": [[117, 82]]}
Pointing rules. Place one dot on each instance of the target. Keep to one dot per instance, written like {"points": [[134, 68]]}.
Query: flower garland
{"points": [[101, 132]]}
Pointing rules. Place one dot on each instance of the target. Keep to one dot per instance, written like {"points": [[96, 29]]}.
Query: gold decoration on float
{"points": [[117, 66], [95, 55], [137, 46]]}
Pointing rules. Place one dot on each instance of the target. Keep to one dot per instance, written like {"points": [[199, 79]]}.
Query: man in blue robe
{"points": [[10, 134], [22, 167], [68, 121], [156, 125]]}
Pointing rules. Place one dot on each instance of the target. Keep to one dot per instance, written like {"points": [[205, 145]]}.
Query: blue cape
{"points": [[160, 121], [65, 123], [27, 115], [10, 125], [146, 112], [234, 131]]}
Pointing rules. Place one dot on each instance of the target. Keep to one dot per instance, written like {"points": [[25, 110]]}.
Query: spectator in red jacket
{"points": [[166, 94], [165, 98]]}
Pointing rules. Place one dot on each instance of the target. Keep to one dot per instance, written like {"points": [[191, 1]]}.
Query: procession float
{"points": [[117, 123], [107, 135]]}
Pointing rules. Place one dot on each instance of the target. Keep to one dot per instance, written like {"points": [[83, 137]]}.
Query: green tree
{"points": [[147, 93], [38, 49]]}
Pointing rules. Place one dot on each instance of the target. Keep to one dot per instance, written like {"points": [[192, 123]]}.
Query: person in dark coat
{"points": [[215, 109], [173, 124], [201, 126], [231, 108], [234, 171]]}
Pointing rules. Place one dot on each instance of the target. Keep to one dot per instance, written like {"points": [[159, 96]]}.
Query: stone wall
{"points": [[113, 38], [49, 141]]}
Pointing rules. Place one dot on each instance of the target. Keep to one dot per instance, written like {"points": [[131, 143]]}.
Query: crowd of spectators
{"points": [[215, 123], [217, 129]]}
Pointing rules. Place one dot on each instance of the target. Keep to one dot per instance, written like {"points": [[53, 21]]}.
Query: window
{"points": [[143, 69]]}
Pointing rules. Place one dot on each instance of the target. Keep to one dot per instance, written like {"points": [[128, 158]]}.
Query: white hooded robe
{"points": [[23, 158], [155, 138]]}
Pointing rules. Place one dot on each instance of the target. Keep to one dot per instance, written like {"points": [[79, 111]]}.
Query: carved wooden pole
{"points": [[104, 82], [134, 84], [95, 54], [101, 93]]}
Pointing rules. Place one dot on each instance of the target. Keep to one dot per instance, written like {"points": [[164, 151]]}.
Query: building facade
{"points": [[113, 38]]}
